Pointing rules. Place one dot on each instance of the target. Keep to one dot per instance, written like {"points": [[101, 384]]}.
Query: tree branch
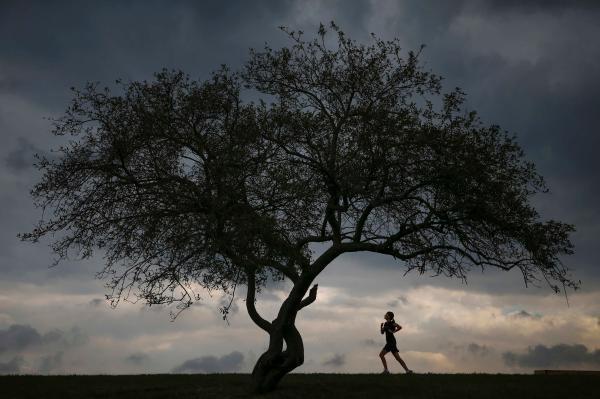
{"points": [[379, 200], [250, 298], [306, 240], [312, 295], [388, 250]]}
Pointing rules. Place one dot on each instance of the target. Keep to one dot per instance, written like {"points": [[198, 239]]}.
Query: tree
{"points": [[183, 185]]}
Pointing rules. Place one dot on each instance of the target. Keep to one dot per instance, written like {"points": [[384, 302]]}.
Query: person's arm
{"points": [[381, 328], [397, 327]]}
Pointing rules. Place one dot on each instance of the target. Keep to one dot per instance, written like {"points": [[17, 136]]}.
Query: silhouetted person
{"points": [[389, 328]]}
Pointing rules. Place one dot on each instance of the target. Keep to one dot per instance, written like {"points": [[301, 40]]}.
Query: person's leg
{"points": [[382, 357], [399, 359]]}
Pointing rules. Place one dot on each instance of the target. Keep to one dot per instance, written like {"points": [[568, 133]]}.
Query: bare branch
{"points": [[250, 306]]}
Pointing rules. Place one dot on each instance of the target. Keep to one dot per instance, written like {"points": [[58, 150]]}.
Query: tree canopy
{"points": [[184, 185]]}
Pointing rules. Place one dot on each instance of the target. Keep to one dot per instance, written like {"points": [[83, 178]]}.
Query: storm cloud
{"points": [[19, 337], [211, 364], [22, 157], [523, 314], [400, 301], [530, 67], [336, 360], [560, 355], [478, 350], [137, 358]]}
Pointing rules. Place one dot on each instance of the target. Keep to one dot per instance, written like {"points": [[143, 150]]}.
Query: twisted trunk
{"points": [[275, 363]]}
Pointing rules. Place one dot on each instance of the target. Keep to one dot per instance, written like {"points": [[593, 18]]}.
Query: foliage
{"points": [[185, 186]]}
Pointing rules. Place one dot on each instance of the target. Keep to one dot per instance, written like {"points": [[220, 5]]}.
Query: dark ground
{"points": [[370, 386]]}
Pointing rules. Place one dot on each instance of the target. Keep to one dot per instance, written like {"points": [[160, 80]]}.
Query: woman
{"points": [[389, 328]]}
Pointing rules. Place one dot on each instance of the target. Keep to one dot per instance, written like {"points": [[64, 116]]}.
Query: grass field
{"points": [[370, 386]]}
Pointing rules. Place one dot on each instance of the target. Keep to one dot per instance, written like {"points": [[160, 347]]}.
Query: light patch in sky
{"points": [[439, 327]]}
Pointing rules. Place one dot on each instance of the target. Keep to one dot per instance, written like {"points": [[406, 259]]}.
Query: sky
{"points": [[530, 67]]}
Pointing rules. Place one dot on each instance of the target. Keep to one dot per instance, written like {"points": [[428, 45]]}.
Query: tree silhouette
{"points": [[184, 185]]}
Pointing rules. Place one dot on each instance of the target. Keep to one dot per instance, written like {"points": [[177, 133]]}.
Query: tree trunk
{"points": [[275, 363]]}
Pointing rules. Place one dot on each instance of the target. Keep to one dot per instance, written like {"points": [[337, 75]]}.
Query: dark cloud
{"points": [[551, 118], [140, 39], [21, 158], [538, 5], [12, 367], [401, 300], [137, 358], [337, 360], [51, 363], [478, 350], [53, 336], [523, 314], [472, 350], [392, 304], [70, 338], [212, 364], [561, 355], [19, 337], [535, 74]]}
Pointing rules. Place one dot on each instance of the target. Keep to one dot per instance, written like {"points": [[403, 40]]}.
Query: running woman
{"points": [[389, 328]]}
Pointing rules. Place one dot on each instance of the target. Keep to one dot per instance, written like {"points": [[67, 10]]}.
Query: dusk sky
{"points": [[532, 67]]}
